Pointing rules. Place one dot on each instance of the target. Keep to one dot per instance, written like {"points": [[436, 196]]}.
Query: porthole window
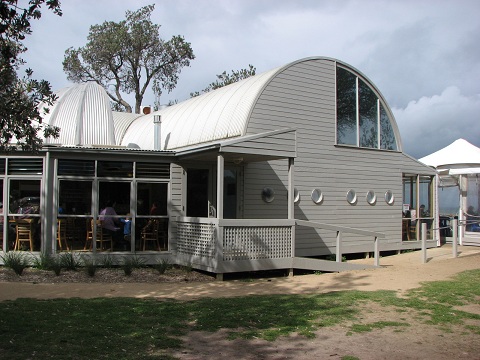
{"points": [[317, 196], [268, 194], [351, 196], [389, 198], [371, 197], [296, 195]]}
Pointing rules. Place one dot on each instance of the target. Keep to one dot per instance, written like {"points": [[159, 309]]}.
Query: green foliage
{"points": [[132, 262], [17, 261], [43, 261], [129, 56], [145, 328], [90, 265], [20, 97], [162, 266], [225, 79], [69, 261], [48, 262], [106, 261]]}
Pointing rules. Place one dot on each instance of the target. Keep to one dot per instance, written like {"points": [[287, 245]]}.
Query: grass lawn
{"points": [[122, 328]]}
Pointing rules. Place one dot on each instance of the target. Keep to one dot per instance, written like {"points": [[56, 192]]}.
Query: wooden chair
{"points": [[150, 234], [24, 231], [89, 236], [102, 237], [62, 234]]}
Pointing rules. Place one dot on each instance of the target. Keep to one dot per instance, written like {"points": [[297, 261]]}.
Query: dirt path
{"points": [[399, 273]]}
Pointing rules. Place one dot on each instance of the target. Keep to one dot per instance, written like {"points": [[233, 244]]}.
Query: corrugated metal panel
{"points": [[121, 122], [83, 114], [219, 114]]}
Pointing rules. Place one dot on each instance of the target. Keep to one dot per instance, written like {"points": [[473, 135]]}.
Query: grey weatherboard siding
{"points": [[302, 96]]}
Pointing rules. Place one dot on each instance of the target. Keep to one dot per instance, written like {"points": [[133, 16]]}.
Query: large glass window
{"points": [[361, 118], [368, 116], [473, 204], [387, 136], [346, 107], [24, 209]]}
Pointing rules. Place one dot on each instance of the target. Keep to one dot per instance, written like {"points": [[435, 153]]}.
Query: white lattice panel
{"points": [[257, 242], [196, 239]]}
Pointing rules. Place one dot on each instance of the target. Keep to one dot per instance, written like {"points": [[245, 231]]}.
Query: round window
{"points": [[389, 198], [317, 196], [371, 197], [296, 195], [351, 196], [268, 194]]}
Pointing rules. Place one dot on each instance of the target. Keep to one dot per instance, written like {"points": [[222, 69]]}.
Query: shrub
{"points": [[106, 261], [48, 262], [132, 262], [162, 266], [43, 262], [90, 265], [17, 261], [69, 261]]}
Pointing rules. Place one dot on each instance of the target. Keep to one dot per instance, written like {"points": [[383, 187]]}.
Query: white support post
{"points": [[424, 243], [219, 229], [339, 247], [376, 252], [291, 205], [455, 237]]}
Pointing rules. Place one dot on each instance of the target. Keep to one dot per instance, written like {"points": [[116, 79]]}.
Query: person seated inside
{"points": [[110, 222]]}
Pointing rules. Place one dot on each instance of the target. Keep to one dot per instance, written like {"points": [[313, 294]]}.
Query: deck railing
{"points": [[218, 243], [224, 245]]}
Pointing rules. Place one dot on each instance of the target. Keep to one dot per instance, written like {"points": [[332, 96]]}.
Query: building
{"points": [[299, 162]]}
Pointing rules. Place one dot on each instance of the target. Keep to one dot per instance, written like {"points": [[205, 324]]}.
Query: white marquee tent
{"points": [[458, 164]]}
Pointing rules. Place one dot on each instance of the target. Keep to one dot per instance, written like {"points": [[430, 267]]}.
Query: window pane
{"points": [[368, 116], [152, 199], [116, 195], [346, 107], [76, 167], [2, 167], [115, 169], [473, 205], [75, 197], [387, 136], [24, 197]]}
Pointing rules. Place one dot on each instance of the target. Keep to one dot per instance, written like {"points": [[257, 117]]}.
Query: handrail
{"points": [[342, 229]]}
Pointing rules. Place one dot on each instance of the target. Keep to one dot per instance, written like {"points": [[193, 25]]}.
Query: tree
{"points": [[225, 79], [20, 97], [122, 55]]}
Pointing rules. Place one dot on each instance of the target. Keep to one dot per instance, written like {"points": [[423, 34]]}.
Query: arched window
{"points": [[361, 117]]}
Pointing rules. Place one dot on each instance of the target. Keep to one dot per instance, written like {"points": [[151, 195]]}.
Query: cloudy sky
{"points": [[423, 55]]}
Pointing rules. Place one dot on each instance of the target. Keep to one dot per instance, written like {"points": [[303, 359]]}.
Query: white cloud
{"points": [[431, 123]]}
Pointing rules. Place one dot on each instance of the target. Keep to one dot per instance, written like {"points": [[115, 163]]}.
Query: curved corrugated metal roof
{"points": [[216, 115], [83, 114], [122, 121]]}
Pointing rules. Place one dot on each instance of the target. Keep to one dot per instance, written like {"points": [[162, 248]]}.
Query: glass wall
{"points": [[418, 206], [108, 201], [24, 214], [472, 215]]}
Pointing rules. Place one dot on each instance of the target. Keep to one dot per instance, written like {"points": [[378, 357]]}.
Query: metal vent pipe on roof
{"points": [[157, 139]]}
